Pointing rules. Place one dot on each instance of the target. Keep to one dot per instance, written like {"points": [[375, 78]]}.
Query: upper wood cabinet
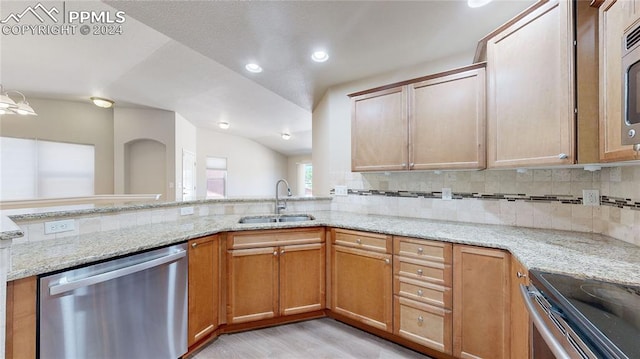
{"points": [[531, 98], [615, 17], [433, 122], [204, 292]]}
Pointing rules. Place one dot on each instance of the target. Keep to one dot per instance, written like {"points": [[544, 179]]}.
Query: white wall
{"points": [[332, 121], [131, 124], [186, 139], [295, 173], [252, 169], [71, 122]]}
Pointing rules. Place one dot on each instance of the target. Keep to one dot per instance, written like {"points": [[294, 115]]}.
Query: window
{"points": [[32, 169], [308, 179], [216, 177]]}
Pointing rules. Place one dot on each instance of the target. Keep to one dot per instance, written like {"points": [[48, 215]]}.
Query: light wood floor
{"points": [[314, 339]]}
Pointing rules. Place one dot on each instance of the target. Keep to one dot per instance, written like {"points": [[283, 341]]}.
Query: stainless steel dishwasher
{"points": [[132, 307]]}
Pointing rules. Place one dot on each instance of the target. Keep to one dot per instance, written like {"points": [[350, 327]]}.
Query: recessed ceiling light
{"points": [[477, 3], [286, 136], [102, 102], [319, 56], [255, 68], [223, 125]]}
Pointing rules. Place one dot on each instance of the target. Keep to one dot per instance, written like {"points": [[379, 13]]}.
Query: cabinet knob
{"points": [[563, 156], [420, 320], [420, 292], [193, 245], [387, 260], [359, 241], [419, 272], [282, 251], [521, 275], [420, 250], [275, 253], [411, 165], [404, 164]]}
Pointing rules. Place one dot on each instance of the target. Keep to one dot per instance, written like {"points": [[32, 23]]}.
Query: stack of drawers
{"points": [[422, 292]]}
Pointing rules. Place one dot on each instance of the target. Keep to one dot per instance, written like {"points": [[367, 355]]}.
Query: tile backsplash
{"points": [[538, 198]]}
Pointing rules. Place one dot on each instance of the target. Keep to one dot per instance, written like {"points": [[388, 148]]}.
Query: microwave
{"points": [[631, 86]]}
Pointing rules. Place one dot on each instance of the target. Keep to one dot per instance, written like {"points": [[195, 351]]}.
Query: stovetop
{"points": [[605, 314]]}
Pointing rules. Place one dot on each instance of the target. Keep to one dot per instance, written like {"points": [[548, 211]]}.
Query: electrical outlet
{"points": [[590, 197], [185, 211], [59, 226], [446, 194], [341, 190]]}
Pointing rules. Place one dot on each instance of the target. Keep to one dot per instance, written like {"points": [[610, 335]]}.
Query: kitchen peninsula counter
{"points": [[579, 254]]}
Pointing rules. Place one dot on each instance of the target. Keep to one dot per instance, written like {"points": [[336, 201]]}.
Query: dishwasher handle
{"points": [[553, 343], [99, 278]]}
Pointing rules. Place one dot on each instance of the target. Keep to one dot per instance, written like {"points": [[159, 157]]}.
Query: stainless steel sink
{"points": [[274, 218]]}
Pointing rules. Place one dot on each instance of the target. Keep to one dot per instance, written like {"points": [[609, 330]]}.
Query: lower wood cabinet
{"points": [[424, 324], [274, 273], [361, 283], [481, 302], [204, 289], [21, 319], [520, 326]]}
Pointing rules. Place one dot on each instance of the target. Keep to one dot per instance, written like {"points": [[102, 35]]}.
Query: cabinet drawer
{"points": [[423, 249], [438, 273], [423, 291], [369, 241], [255, 239], [424, 324]]}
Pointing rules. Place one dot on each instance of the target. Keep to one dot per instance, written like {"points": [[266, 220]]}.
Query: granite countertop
{"points": [[580, 254]]}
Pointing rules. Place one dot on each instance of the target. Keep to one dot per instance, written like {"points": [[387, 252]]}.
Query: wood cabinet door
{"points": [[481, 303], [422, 323], [447, 122], [379, 131], [613, 17], [520, 327], [21, 326], [252, 284], [204, 262], [302, 278], [530, 94], [361, 286]]}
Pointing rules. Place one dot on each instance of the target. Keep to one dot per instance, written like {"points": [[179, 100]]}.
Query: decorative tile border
{"points": [[511, 197]]}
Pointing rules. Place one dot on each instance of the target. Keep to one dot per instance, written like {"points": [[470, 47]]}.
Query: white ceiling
{"points": [[189, 56]]}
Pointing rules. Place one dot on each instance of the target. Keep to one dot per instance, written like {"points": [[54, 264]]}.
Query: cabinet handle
{"points": [[282, 251], [420, 320], [404, 165], [359, 241], [411, 165], [387, 260], [420, 292], [275, 253], [420, 272], [193, 245], [563, 156], [420, 250], [521, 275]]}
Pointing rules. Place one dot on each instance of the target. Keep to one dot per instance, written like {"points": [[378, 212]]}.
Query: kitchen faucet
{"points": [[280, 206]]}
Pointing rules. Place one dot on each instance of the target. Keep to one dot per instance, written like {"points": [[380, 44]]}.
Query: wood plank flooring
{"points": [[314, 339]]}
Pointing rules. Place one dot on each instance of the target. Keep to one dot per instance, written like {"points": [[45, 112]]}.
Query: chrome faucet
{"points": [[281, 205]]}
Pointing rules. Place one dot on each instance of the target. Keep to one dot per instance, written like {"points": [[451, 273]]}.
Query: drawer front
{"points": [[270, 238], [424, 324], [425, 292], [368, 241], [425, 271], [423, 249]]}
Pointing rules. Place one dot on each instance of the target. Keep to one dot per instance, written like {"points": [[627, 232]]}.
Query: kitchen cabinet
{"points": [[361, 283], [275, 273], [481, 302], [422, 292], [21, 308], [531, 82], [432, 122], [204, 292], [520, 327], [615, 17]]}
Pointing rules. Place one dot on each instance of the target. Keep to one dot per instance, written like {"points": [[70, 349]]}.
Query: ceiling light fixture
{"points": [[286, 136], [319, 56], [102, 102], [223, 125], [477, 3], [255, 68], [9, 107]]}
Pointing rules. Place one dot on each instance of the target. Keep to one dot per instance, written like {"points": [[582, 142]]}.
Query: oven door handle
{"points": [[556, 348]]}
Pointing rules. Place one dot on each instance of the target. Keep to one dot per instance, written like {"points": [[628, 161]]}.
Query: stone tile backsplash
{"points": [[538, 198]]}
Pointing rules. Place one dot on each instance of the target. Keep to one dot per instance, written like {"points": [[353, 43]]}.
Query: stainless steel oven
{"points": [[631, 86], [577, 318]]}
